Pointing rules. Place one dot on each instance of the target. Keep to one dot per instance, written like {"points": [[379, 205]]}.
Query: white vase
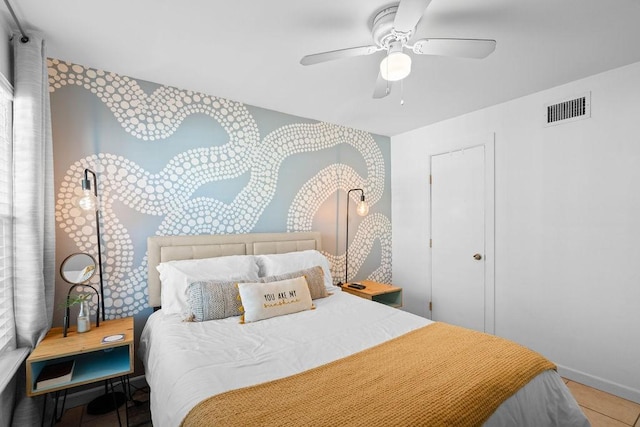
{"points": [[84, 322]]}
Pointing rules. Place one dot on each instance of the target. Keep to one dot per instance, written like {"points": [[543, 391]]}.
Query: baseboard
{"points": [[83, 397], [600, 383]]}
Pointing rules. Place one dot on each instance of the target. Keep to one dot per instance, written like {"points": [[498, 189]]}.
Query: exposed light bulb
{"points": [[88, 201], [395, 66], [363, 208]]}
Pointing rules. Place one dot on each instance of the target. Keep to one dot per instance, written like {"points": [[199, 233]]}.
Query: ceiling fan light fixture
{"points": [[395, 66]]}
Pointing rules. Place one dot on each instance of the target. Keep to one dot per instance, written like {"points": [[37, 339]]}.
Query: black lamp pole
{"points": [[346, 247], [108, 401], [86, 185]]}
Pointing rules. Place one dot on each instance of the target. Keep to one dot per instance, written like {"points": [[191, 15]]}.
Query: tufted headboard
{"points": [[169, 248]]}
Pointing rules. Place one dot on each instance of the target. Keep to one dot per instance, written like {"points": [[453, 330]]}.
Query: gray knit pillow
{"points": [[314, 276], [209, 300]]}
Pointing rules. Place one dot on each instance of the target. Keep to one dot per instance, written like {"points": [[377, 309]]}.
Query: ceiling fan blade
{"points": [[408, 14], [382, 89], [338, 54], [463, 48]]}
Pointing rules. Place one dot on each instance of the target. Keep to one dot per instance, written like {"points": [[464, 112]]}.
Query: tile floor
{"points": [[602, 409]]}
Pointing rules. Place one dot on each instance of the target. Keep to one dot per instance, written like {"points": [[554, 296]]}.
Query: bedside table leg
{"points": [[124, 382], [55, 406], [126, 387], [55, 418], [115, 402], [44, 409]]}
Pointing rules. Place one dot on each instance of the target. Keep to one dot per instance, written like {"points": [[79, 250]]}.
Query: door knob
{"points": [[477, 257]]}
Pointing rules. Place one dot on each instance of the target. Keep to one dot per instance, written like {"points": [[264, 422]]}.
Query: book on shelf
{"points": [[55, 374]]}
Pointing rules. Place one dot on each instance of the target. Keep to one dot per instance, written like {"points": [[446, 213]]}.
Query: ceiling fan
{"points": [[393, 28]]}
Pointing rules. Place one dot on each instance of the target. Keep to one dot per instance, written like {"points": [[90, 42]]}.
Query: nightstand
{"points": [[94, 361], [379, 292]]}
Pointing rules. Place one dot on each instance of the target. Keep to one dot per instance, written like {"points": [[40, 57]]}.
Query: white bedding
{"points": [[188, 362]]}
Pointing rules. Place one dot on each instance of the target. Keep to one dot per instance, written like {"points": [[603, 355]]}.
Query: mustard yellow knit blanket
{"points": [[438, 375]]}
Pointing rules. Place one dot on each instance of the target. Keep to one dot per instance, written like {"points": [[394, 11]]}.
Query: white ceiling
{"points": [[249, 51]]}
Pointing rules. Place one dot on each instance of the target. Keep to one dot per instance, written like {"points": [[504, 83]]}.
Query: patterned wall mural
{"points": [[173, 161]]}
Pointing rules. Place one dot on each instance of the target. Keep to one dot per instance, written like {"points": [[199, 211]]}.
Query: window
{"points": [[7, 325]]}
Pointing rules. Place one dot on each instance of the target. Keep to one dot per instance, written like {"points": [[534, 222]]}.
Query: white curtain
{"points": [[34, 230]]}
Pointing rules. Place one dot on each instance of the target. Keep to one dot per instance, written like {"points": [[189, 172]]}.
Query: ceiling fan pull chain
{"points": [[387, 81], [387, 65], [402, 92]]}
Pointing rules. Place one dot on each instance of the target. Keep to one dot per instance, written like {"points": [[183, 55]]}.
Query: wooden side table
{"points": [[379, 292], [94, 361]]}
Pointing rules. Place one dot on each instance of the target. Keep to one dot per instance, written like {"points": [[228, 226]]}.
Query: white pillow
{"points": [[264, 300], [273, 265], [175, 277]]}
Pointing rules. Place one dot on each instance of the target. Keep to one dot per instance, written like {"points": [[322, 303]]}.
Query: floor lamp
{"points": [[362, 210], [89, 202]]}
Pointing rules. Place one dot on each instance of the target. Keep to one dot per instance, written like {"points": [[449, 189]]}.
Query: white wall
{"points": [[567, 225]]}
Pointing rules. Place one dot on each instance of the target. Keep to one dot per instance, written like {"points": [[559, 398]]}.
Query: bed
{"points": [[283, 365]]}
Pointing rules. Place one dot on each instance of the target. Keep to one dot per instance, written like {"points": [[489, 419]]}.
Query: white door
{"points": [[458, 237]]}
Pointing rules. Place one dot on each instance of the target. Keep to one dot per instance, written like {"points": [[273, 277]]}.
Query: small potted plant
{"points": [[84, 320]]}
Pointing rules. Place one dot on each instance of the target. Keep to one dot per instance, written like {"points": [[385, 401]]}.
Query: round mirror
{"points": [[78, 268]]}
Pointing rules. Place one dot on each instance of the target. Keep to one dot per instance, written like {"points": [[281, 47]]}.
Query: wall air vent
{"points": [[574, 109]]}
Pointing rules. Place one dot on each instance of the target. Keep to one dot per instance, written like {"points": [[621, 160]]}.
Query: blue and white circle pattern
{"points": [[170, 192]]}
